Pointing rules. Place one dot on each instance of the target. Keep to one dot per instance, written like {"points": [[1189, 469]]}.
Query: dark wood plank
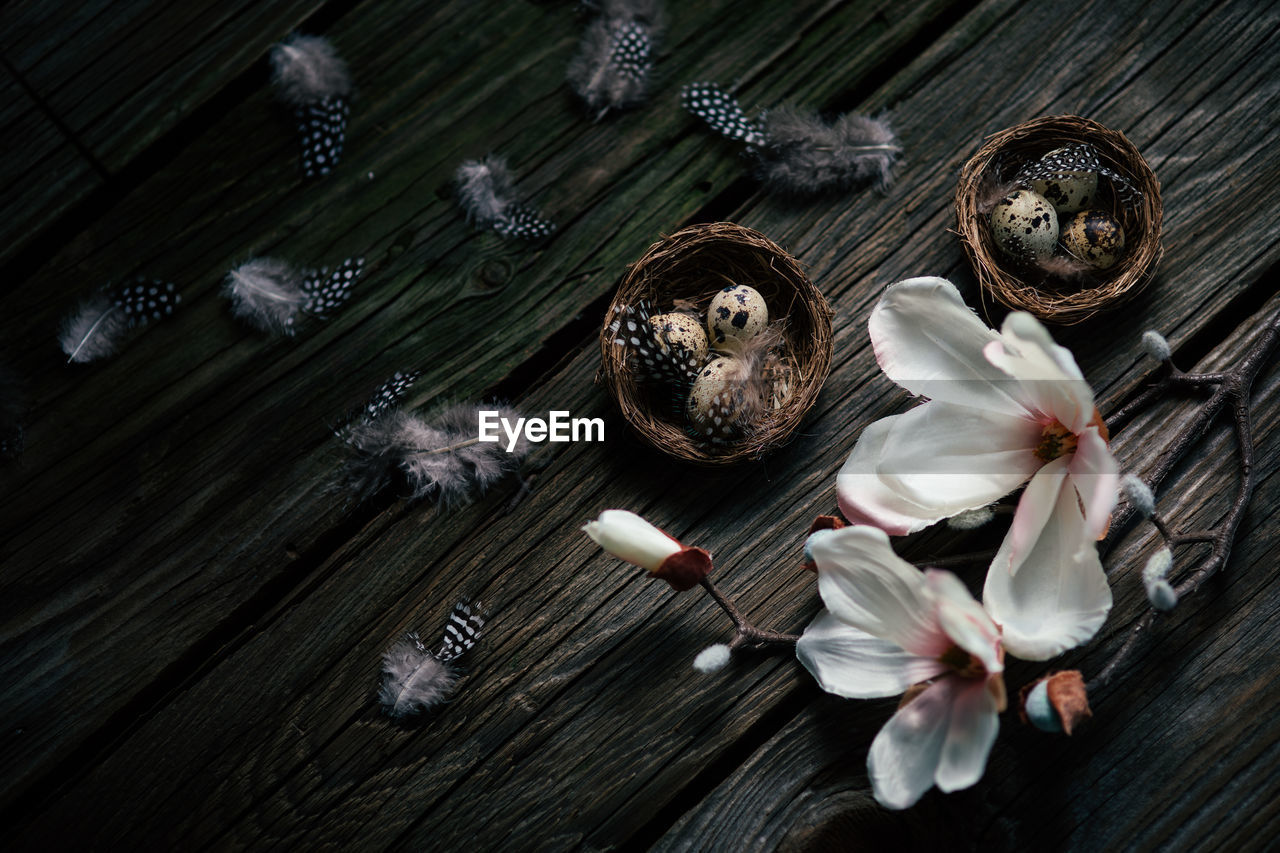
{"points": [[239, 505], [301, 755], [1162, 761], [120, 75], [41, 174]]}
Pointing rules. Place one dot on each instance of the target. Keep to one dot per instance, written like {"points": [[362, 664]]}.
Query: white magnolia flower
{"points": [[1005, 408], [889, 628], [629, 537]]}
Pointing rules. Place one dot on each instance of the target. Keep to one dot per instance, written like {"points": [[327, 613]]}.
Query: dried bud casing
{"points": [[684, 569], [1057, 703]]}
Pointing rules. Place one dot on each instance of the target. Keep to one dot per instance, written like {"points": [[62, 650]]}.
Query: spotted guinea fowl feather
{"points": [[415, 678]]}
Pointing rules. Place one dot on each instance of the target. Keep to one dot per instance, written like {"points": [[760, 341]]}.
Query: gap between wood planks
{"points": [[99, 202], [563, 344]]}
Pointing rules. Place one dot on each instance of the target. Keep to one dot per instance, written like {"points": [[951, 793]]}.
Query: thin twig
{"points": [[747, 634], [1234, 387]]}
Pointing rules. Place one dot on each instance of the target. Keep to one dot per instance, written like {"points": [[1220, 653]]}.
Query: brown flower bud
{"points": [[1056, 703]]}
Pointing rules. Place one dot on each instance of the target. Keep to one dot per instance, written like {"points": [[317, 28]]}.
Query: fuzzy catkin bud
{"points": [[971, 519], [1155, 345], [1138, 494], [712, 658], [1159, 591]]}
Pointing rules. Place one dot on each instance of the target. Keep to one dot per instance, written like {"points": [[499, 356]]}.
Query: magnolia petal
{"points": [[867, 586], [942, 737], [974, 724], [930, 342], [964, 620], [938, 459], [1096, 476], [629, 537], [1034, 508], [1048, 380], [1059, 596], [852, 663]]}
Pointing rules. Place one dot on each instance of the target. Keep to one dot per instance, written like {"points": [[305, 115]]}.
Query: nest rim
{"points": [[1015, 288], [710, 252]]}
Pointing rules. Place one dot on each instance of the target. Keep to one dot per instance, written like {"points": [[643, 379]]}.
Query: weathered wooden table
{"points": [[192, 622]]}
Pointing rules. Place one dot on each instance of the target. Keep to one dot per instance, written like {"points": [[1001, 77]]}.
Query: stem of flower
{"points": [[1232, 387], [747, 635]]}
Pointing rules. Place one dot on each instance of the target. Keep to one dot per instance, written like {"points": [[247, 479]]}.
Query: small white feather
{"points": [[485, 189], [307, 69], [94, 330], [413, 680], [267, 293]]}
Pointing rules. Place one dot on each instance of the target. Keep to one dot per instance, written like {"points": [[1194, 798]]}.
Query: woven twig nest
{"points": [[691, 266], [1029, 289]]}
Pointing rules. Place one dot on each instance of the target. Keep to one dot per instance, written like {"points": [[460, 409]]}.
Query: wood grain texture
{"points": [[233, 614]]}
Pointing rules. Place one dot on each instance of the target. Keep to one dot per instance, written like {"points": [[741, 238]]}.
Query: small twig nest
{"points": [[689, 268], [1030, 289]]}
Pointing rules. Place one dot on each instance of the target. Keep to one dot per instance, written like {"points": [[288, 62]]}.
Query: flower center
{"points": [[964, 664], [1055, 440]]}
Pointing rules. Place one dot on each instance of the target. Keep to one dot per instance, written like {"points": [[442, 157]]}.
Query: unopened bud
{"points": [[1162, 596], [1157, 567], [1155, 345], [971, 519], [712, 658], [1057, 703]]}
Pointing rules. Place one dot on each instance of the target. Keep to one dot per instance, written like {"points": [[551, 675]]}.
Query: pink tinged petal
{"points": [[867, 586], [943, 736], [964, 620], [1033, 512], [1096, 476], [1049, 380], [851, 663], [928, 341], [974, 724], [1059, 597], [911, 470]]}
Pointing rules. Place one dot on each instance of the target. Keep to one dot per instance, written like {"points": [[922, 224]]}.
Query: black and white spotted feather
{"points": [[652, 356], [1078, 157], [13, 412], [385, 398], [486, 193], [721, 111], [613, 67], [796, 151], [433, 457], [313, 80], [274, 296], [98, 327], [415, 678]]}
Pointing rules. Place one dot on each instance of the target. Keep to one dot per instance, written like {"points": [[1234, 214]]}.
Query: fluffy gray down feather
{"points": [[413, 680], [266, 293], [437, 456], [307, 69], [94, 330], [485, 189], [803, 155], [613, 65]]}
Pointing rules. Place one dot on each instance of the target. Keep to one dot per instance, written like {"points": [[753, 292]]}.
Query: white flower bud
{"points": [[712, 658], [629, 537], [1155, 345], [1138, 494], [971, 519]]}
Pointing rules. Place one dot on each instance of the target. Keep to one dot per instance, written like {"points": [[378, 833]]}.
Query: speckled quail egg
{"points": [[1068, 191], [1025, 226], [684, 331], [711, 406], [738, 311], [1095, 237]]}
